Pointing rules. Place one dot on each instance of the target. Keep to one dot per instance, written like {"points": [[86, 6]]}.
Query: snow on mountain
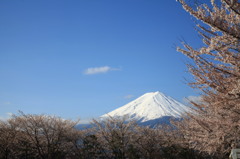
{"points": [[150, 106]]}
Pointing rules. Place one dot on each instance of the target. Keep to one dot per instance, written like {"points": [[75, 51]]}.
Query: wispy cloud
{"points": [[99, 70], [129, 96], [86, 121], [7, 103], [6, 116], [196, 99]]}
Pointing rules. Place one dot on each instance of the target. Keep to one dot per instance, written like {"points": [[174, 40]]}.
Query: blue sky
{"points": [[84, 58]]}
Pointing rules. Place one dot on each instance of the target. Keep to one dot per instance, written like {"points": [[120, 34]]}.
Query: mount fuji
{"points": [[150, 109]]}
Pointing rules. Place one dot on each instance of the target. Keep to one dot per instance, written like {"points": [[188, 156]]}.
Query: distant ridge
{"points": [[150, 107]]}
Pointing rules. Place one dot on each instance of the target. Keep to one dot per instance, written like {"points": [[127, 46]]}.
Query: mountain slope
{"points": [[150, 106]]}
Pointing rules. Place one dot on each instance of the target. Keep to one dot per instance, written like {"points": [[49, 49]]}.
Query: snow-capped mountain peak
{"points": [[150, 106]]}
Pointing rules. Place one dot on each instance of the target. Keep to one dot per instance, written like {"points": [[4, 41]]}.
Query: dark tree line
{"points": [[47, 137], [210, 130]]}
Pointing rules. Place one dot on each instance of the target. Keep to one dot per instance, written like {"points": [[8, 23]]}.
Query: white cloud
{"points": [[7, 103], [129, 96], [9, 114], [99, 70], [6, 116], [196, 99], [85, 121]]}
